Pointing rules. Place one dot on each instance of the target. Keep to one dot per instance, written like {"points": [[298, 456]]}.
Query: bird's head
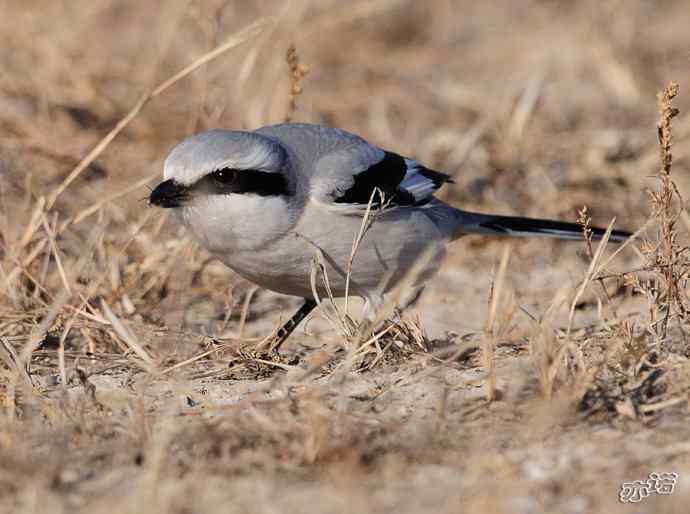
{"points": [[226, 187], [222, 162]]}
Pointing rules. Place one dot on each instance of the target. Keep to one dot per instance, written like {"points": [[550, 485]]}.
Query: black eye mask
{"points": [[227, 180]]}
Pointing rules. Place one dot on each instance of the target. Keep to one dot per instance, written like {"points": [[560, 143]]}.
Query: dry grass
{"points": [[135, 374]]}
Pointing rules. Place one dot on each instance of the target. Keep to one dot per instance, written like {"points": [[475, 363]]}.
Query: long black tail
{"points": [[475, 223]]}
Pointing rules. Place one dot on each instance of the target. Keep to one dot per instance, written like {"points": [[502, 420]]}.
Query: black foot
{"points": [[291, 324]]}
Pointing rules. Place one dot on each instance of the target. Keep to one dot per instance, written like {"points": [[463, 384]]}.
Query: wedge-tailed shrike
{"points": [[266, 201]]}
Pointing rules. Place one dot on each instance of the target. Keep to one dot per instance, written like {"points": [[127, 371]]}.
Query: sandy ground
{"points": [[131, 373]]}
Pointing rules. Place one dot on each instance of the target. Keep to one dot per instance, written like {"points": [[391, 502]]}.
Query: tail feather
{"points": [[474, 223]]}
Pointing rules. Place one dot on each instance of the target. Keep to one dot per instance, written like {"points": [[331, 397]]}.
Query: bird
{"points": [[268, 202]]}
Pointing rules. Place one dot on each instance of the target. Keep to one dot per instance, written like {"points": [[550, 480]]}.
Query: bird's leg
{"points": [[409, 299], [372, 304], [291, 324]]}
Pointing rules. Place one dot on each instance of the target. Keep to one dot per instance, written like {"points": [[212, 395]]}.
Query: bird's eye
{"points": [[224, 176]]}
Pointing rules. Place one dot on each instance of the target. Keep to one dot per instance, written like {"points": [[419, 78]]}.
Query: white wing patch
{"points": [[418, 185]]}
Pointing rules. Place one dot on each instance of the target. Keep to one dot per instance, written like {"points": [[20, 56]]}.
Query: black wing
{"points": [[403, 182]]}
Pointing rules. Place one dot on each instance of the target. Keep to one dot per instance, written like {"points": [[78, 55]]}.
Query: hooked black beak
{"points": [[169, 194]]}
